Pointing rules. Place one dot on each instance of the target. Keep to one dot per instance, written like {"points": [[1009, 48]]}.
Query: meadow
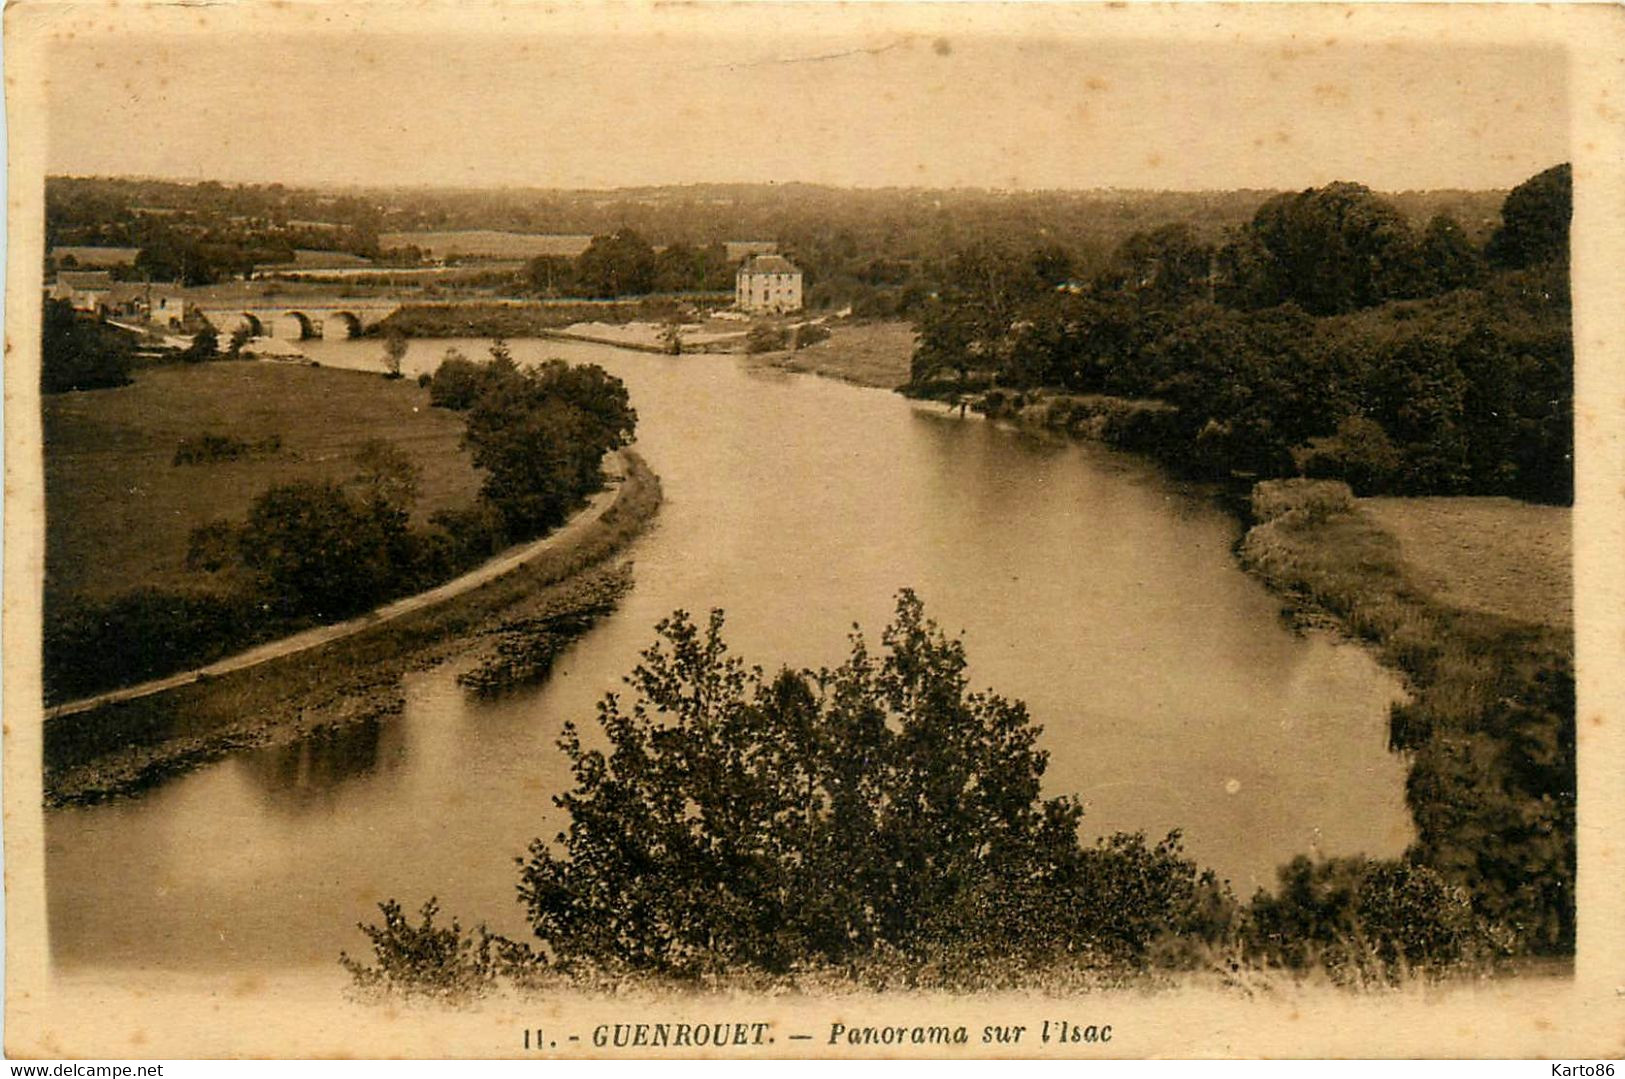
{"points": [[487, 243], [866, 353], [1493, 555], [119, 511]]}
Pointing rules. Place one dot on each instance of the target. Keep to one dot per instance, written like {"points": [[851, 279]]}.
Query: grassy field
{"points": [[118, 512], [1494, 555], [488, 243], [867, 353]]}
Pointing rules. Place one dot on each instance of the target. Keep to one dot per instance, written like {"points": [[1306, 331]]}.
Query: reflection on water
{"points": [[1084, 582], [305, 773]]}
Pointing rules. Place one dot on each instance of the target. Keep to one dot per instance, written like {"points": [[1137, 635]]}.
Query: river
{"points": [[1084, 582]]}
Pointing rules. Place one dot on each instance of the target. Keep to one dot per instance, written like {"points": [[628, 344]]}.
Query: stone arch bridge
{"points": [[301, 321]]}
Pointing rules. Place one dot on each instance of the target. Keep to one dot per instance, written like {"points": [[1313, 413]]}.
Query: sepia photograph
{"points": [[859, 531]]}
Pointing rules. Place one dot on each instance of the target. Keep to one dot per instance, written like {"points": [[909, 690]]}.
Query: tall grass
{"points": [[1489, 727]]}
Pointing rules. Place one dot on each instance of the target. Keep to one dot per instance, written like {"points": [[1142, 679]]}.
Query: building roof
{"points": [[743, 249], [769, 264], [85, 278]]}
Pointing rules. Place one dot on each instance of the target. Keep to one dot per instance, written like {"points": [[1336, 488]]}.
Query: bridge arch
{"points": [[296, 326], [251, 322], [341, 325]]}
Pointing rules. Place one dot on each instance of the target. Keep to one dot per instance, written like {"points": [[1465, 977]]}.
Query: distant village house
{"points": [[86, 290], [768, 283]]}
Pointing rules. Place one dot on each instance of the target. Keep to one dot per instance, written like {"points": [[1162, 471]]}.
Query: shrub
{"points": [[474, 534], [205, 346], [318, 551], [1316, 499], [766, 338], [438, 962], [541, 434], [207, 449], [147, 633], [808, 333], [1368, 921], [394, 352], [1361, 454], [239, 338], [457, 382], [80, 353]]}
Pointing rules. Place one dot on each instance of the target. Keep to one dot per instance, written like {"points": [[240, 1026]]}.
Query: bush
{"points": [[473, 534], [208, 449], [394, 352], [212, 547], [808, 333], [1361, 454], [319, 552], [457, 382], [767, 338], [1316, 499], [80, 353], [1364, 921], [437, 962], [205, 346], [541, 434]]}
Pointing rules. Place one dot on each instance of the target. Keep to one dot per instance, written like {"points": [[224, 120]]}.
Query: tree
{"points": [[681, 267], [541, 435], [1331, 249], [457, 382], [620, 264], [1166, 265], [167, 256], [387, 477], [1360, 453], [80, 353], [1535, 221], [317, 551], [1446, 258], [239, 338], [394, 352], [205, 346], [738, 820], [1359, 919], [551, 275]]}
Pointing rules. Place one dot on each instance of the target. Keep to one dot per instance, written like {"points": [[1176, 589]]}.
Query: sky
{"points": [[884, 106]]}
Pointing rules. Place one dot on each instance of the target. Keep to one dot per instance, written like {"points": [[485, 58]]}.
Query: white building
{"points": [[767, 283]]}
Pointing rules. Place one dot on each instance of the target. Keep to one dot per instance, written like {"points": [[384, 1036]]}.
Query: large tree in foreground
{"points": [[744, 821]]}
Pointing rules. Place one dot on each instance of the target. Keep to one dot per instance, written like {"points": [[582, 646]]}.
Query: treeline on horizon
{"points": [[1327, 337], [883, 252]]}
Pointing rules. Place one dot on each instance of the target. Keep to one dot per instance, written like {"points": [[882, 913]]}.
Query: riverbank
{"points": [[537, 318], [1490, 726], [125, 746], [874, 354], [1137, 425], [1468, 599]]}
